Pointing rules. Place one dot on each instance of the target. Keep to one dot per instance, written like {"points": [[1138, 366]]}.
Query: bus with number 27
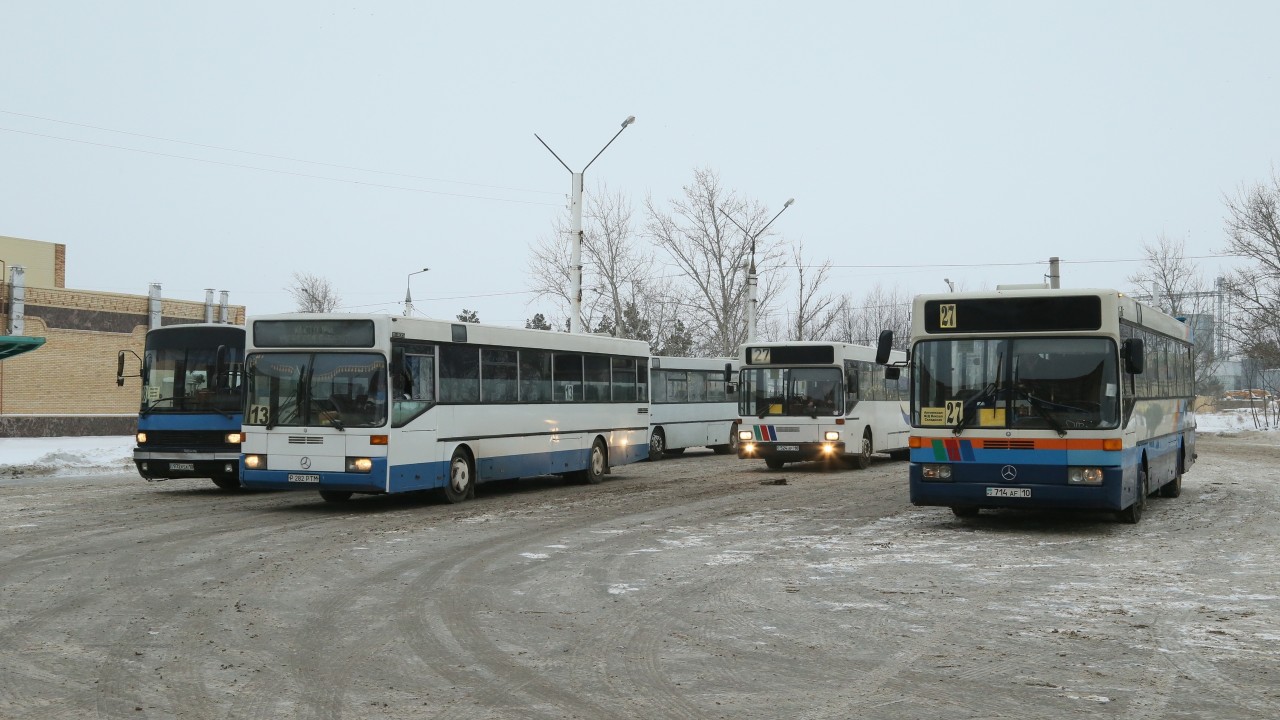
{"points": [[824, 401], [1047, 398], [373, 404]]}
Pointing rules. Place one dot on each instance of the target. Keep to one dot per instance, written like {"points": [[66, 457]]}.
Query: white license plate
{"points": [[189, 467], [1008, 492], [788, 448], [295, 477]]}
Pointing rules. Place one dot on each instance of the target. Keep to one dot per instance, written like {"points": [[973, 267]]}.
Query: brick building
{"points": [[67, 385]]}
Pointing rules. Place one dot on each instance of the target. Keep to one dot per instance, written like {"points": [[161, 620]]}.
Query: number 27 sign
{"points": [[947, 316]]}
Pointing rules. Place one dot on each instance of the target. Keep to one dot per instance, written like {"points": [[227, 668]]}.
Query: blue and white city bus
{"points": [[695, 404], [825, 401], [1043, 398], [345, 403], [192, 395]]}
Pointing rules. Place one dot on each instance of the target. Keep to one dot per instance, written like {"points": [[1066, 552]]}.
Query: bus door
{"points": [[413, 455]]}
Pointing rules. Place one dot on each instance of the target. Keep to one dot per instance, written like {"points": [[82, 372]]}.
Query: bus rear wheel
{"points": [[729, 447], [1173, 488], [462, 477]]}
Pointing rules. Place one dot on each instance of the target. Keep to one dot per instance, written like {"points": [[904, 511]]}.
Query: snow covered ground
{"points": [[113, 454]]}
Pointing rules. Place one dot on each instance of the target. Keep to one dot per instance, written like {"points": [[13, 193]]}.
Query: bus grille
{"points": [[1009, 444], [186, 438], [306, 440]]}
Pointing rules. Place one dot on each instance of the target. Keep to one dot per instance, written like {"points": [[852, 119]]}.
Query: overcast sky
{"points": [[229, 145]]}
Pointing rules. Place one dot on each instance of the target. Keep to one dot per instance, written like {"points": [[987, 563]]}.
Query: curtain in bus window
{"points": [[660, 386], [597, 378], [568, 377], [678, 387], [624, 379], [697, 387], [535, 376], [498, 375], [715, 387], [459, 374]]}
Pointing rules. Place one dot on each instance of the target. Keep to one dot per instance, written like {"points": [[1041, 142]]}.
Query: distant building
{"points": [[67, 385]]}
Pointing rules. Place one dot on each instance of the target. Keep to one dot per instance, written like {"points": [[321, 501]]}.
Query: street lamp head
{"points": [[787, 204], [630, 119]]}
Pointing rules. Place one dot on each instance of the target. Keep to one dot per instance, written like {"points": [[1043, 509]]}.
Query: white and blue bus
{"points": [[192, 396], [825, 401], [344, 403], [1039, 398], [695, 404]]}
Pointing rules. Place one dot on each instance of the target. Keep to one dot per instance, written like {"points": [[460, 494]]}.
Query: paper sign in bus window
{"points": [[933, 416]]}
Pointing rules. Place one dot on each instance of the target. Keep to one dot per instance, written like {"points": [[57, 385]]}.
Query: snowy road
{"points": [[695, 587]]}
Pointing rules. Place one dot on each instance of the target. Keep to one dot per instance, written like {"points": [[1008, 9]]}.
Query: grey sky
{"points": [[941, 136]]}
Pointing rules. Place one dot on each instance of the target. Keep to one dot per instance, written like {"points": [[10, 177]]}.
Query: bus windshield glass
{"points": [[1035, 383], [178, 377], [339, 390], [791, 392]]}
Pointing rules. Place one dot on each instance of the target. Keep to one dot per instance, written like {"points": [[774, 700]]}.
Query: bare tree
{"points": [[1175, 286], [617, 271], [816, 312], [313, 294], [711, 256], [861, 321], [1253, 232]]}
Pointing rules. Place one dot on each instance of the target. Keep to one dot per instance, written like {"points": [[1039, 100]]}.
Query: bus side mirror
{"points": [[851, 381], [883, 347], [120, 369], [892, 373], [728, 373], [1132, 352], [221, 378]]}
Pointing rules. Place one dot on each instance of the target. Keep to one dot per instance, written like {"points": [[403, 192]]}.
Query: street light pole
{"points": [[752, 280], [575, 215], [408, 299]]}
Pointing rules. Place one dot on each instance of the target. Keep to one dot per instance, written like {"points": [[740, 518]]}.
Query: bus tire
{"points": [[862, 460], [964, 511], [597, 465], [657, 444], [731, 446], [674, 451], [774, 463], [1173, 488], [461, 483], [335, 496], [227, 482], [1133, 513]]}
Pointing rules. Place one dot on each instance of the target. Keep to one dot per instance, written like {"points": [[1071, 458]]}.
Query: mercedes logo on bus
{"points": [[1008, 472], [305, 462]]}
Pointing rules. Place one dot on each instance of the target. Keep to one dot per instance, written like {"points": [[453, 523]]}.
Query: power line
{"points": [[274, 157]]}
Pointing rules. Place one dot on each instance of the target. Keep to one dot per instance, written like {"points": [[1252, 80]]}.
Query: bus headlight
{"points": [[745, 435], [935, 472], [235, 438], [255, 462], [1084, 476], [142, 438], [359, 464], [832, 435]]}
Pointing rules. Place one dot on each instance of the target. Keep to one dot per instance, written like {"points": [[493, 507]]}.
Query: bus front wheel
{"points": [[597, 465], [227, 481], [335, 496], [862, 460], [462, 477], [774, 463], [657, 444], [1133, 513], [731, 446]]}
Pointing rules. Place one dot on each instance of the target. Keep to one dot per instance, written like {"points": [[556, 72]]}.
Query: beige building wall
{"points": [[44, 263]]}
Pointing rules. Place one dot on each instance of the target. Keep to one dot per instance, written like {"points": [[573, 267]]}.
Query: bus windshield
{"points": [[190, 379], [791, 392], [1035, 383], [339, 390]]}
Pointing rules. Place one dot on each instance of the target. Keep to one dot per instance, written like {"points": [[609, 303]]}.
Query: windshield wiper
{"points": [[1038, 405], [147, 410], [990, 392]]}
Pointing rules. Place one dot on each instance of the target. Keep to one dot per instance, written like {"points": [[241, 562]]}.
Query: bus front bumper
{"points": [[790, 452]]}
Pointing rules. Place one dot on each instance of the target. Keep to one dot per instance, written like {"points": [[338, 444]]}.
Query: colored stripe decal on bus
{"points": [[764, 433], [943, 447]]}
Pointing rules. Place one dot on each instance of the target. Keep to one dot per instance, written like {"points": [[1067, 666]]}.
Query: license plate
{"points": [[788, 448], [1008, 492], [295, 477], [189, 467]]}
